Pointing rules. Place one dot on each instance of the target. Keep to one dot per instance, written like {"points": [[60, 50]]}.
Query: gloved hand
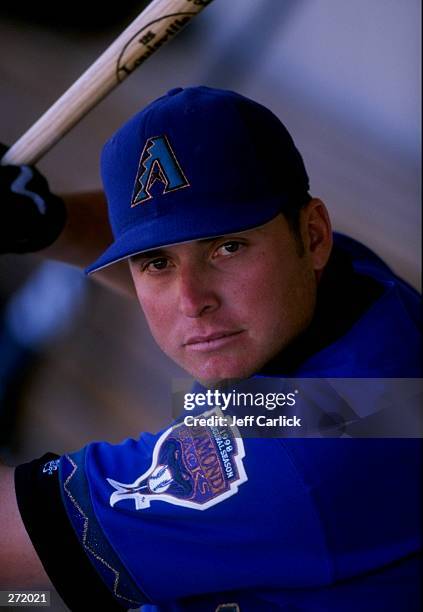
{"points": [[31, 217]]}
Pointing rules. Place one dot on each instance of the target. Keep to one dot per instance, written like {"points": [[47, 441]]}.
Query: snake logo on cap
{"points": [[157, 163]]}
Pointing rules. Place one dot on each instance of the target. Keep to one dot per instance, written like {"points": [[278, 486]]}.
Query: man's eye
{"points": [[156, 265], [229, 247]]}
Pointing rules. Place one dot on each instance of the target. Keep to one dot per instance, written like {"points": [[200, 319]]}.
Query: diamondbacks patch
{"points": [[195, 467], [158, 163]]}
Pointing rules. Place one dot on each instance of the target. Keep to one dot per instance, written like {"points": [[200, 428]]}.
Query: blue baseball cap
{"points": [[197, 163]]}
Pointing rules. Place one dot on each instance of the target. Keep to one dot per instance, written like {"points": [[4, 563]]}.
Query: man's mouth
{"points": [[212, 341]]}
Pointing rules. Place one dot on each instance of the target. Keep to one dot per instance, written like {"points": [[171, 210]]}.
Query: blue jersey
{"points": [[197, 518]]}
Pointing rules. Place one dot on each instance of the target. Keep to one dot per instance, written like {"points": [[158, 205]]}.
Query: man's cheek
{"points": [[161, 326]]}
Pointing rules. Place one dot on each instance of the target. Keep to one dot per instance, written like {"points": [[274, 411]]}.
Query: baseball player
{"points": [[241, 280]]}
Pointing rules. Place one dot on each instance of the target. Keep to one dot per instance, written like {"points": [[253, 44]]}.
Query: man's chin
{"points": [[221, 376], [221, 383]]}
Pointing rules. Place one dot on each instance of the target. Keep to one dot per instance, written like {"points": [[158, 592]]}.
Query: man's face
{"points": [[222, 308]]}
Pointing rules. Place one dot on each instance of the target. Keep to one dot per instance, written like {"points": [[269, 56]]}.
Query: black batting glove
{"points": [[31, 217]]}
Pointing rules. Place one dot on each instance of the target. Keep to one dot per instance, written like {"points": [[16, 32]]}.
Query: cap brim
{"points": [[176, 230]]}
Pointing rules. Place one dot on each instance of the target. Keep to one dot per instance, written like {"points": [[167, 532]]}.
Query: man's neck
{"points": [[342, 298]]}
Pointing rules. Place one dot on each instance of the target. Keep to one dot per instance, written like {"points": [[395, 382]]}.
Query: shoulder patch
{"points": [[195, 467]]}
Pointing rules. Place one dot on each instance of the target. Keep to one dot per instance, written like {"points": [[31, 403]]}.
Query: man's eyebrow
{"points": [[208, 240], [161, 251]]}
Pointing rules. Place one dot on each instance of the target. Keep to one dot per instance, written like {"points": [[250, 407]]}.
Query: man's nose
{"points": [[196, 293]]}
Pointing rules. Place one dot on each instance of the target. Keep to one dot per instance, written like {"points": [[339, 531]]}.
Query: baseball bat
{"points": [[160, 21]]}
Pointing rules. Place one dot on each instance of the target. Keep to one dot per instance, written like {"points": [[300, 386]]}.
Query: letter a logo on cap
{"points": [[158, 163]]}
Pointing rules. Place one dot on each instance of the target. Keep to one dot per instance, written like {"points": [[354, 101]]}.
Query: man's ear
{"points": [[317, 233]]}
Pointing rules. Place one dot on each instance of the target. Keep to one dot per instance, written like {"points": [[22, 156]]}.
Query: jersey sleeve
{"points": [[193, 510], [188, 511], [39, 499]]}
